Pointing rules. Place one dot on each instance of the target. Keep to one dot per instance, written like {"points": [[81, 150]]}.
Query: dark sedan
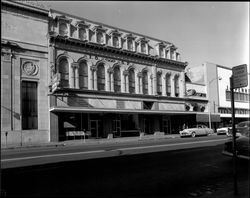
{"points": [[242, 142]]}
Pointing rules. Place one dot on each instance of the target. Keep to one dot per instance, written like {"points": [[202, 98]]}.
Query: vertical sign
{"points": [[238, 79], [240, 76]]}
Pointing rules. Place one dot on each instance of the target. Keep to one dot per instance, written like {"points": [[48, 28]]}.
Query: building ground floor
{"points": [[109, 124]]}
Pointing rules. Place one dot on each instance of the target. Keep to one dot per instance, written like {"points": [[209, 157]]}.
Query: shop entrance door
{"points": [[95, 128], [147, 126], [117, 128], [166, 125]]}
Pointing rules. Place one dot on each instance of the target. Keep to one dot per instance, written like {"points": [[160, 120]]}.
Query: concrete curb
{"points": [[91, 141]]}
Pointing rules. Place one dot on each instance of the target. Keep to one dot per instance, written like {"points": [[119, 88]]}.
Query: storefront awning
{"points": [[100, 110], [205, 117]]}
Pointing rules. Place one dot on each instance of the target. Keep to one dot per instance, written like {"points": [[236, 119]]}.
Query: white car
{"points": [[196, 131], [223, 130]]}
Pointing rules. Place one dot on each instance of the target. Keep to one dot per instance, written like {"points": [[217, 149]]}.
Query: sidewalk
{"points": [[90, 141]]}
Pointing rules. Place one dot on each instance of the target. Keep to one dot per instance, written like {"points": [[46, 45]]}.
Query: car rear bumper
{"points": [[238, 156]]}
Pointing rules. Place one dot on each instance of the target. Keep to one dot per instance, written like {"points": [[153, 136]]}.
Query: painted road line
{"points": [[169, 145], [52, 155], [102, 151]]}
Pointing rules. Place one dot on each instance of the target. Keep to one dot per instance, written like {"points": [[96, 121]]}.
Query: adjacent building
{"points": [[217, 80], [24, 74]]}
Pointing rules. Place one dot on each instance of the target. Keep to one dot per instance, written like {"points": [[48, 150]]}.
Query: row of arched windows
{"points": [[84, 75]]}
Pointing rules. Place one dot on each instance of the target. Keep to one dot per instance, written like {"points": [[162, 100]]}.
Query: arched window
{"points": [[117, 79], [159, 83], [99, 37], [131, 79], [101, 77], [83, 75], [115, 41], [176, 86], [82, 34], [143, 47], [145, 82], [168, 85], [63, 29], [130, 44], [64, 72]]}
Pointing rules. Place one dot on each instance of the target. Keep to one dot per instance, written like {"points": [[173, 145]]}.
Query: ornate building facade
{"points": [[106, 80]]}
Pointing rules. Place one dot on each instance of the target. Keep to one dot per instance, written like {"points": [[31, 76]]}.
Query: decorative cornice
{"points": [[79, 43]]}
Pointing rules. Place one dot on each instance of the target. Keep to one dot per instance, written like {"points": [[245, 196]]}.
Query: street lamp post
{"points": [[209, 115]]}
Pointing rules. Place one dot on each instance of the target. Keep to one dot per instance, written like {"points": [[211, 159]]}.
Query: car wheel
{"points": [[193, 134]]}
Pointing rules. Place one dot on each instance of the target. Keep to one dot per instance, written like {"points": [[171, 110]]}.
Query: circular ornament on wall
{"points": [[30, 68]]}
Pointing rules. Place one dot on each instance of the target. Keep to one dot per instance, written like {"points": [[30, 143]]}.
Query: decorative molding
{"points": [[30, 68], [125, 72]]}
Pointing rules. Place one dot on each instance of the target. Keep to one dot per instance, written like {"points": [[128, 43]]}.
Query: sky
{"points": [[216, 32]]}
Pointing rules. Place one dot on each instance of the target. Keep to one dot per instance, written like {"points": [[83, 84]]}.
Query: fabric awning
{"points": [[205, 117]]}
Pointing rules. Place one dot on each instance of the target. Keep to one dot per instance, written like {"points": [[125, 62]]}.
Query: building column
{"points": [[93, 78], [172, 86], [163, 82], [141, 91], [71, 76], [126, 84], [122, 80], [182, 84], [107, 78], [154, 80], [76, 66], [136, 83], [112, 81], [149, 84]]}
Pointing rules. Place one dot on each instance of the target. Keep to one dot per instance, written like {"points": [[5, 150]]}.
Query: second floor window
{"points": [[159, 84], [131, 79], [145, 82], [83, 75], [63, 29], [176, 86], [101, 77], [117, 79], [64, 72], [168, 85]]}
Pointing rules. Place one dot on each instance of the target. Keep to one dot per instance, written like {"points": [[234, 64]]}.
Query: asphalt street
{"points": [[174, 172]]}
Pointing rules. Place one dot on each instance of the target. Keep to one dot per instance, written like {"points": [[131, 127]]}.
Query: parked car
{"points": [[196, 131], [242, 142], [223, 130], [240, 128]]}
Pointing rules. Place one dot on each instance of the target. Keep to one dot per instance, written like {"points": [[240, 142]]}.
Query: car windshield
{"points": [[243, 124]]}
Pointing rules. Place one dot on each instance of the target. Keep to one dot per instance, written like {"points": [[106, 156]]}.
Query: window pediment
{"points": [[99, 28], [63, 18], [115, 33], [82, 24]]}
